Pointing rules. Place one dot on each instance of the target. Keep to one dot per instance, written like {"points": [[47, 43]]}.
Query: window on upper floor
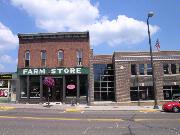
{"points": [[79, 57], [60, 57], [173, 68], [43, 58], [141, 69], [133, 69], [27, 58], [166, 68], [149, 69]]}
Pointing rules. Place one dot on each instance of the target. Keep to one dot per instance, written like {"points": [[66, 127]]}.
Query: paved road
{"points": [[54, 122]]}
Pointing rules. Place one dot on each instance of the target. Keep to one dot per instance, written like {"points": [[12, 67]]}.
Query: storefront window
{"points": [[34, 86], [4, 88], [141, 93], [83, 85], [23, 86], [171, 91], [3, 83], [103, 82]]}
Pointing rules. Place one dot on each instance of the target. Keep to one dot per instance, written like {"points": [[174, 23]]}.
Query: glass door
{"points": [[57, 90], [71, 87]]}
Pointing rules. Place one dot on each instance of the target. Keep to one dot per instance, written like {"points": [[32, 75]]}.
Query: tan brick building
{"points": [[127, 76]]}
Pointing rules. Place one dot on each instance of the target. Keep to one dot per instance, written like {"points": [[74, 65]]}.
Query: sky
{"points": [[114, 25]]}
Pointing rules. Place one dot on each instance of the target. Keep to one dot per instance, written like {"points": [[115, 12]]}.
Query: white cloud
{"points": [[122, 30], [1, 67], [7, 39], [6, 59], [81, 15]]}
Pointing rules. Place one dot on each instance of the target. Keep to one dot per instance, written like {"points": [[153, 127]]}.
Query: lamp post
{"points": [[150, 14]]}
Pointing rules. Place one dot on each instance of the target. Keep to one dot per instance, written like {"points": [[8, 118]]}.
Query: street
{"points": [[56, 122]]}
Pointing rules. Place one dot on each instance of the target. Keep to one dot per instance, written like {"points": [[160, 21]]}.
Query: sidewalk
{"points": [[69, 107]]}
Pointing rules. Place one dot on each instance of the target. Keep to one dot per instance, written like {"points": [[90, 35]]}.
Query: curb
{"points": [[73, 110], [5, 108], [149, 110]]}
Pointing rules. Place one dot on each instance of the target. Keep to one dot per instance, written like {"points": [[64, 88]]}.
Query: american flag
{"points": [[157, 45]]}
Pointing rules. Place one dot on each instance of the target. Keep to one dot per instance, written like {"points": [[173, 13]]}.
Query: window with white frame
{"points": [[79, 57], [27, 58], [141, 69], [60, 57], [43, 58], [149, 69]]}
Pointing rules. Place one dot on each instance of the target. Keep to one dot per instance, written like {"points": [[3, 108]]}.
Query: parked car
{"points": [[173, 106]]}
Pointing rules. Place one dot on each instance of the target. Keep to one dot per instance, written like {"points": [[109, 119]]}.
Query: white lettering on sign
{"points": [[25, 71], [36, 71], [72, 71], [30, 72], [53, 71], [42, 71], [66, 71], [59, 71], [78, 70]]}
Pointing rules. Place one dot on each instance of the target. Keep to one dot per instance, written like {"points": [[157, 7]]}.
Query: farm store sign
{"points": [[53, 71]]}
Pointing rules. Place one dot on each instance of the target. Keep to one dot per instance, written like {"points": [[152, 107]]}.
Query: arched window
{"points": [[43, 58], [27, 58], [60, 57], [79, 57]]}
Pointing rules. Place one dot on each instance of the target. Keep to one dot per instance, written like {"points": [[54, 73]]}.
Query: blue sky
{"points": [[118, 25]]}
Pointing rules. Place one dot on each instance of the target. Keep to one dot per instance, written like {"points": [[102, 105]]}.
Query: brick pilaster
{"points": [[122, 78]]}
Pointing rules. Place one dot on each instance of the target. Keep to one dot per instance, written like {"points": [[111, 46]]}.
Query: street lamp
{"points": [[150, 14]]}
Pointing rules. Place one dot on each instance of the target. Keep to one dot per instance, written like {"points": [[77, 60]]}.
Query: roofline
{"points": [[145, 51], [54, 35]]}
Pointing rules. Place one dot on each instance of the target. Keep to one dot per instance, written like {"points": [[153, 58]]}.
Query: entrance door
{"points": [[57, 90], [71, 88]]}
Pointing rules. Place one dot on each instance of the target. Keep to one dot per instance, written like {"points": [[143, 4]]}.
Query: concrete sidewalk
{"points": [[69, 107]]}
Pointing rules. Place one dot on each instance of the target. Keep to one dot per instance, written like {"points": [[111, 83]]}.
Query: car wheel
{"points": [[175, 109]]}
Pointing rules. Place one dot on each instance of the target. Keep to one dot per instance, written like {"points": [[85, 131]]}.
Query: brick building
{"points": [[63, 56], [67, 57], [127, 76]]}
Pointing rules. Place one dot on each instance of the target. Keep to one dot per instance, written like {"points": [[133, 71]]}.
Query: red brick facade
{"points": [[52, 46]]}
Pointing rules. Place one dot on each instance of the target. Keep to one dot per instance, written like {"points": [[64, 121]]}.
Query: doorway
{"points": [[56, 92], [71, 87]]}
